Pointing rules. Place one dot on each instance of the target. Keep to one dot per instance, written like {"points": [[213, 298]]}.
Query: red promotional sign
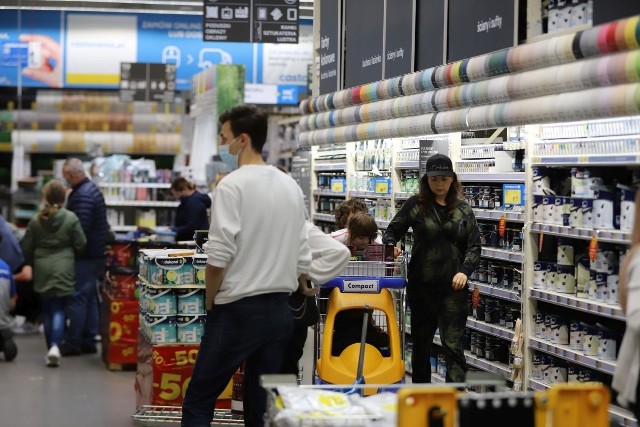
{"points": [[502, 226], [123, 322], [593, 248], [164, 373]]}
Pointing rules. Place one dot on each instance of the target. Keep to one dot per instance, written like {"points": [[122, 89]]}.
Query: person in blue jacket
{"points": [[87, 202], [191, 214]]}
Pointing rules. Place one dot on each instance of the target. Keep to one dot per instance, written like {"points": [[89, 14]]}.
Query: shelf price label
{"points": [[338, 185], [502, 226], [382, 185], [593, 248], [513, 194]]}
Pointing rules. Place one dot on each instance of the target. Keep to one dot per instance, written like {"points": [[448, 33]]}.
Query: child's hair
{"points": [[362, 225], [181, 184], [347, 208], [54, 195]]}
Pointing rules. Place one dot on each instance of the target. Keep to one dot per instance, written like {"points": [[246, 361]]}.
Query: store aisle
{"points": [[80, 393]]}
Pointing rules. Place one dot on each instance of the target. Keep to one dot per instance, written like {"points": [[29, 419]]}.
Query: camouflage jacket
{"points": [[442, 247]]}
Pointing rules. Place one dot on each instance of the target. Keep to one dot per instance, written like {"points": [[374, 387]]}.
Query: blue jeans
{"points": [[53, 318], [255, 329], [83, 312]]}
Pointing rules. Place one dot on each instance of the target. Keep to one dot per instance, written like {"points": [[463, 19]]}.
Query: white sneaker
{"points": [[53, 357]]}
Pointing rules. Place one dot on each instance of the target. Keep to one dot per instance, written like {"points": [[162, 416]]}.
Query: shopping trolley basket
{"points": [[426, 405], [360, 351]]}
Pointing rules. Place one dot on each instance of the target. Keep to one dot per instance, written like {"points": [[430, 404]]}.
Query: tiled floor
{"points": [[80, 393]]}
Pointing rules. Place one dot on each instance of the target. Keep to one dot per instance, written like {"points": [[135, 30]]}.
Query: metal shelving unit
{"points": [[590, 160], [407, 164], [607, 236], [324, 217], [506, 177], [491, 329], [495, 292], [566, 353], [155, 185], [571, 301], [497, 214], [502, 255], [482, 364], [330, 167], [402, 196], [141, 204], [328, 193], [369, 195]]}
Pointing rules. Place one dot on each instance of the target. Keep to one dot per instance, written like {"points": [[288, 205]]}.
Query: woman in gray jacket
{"points": [[53, 239]]}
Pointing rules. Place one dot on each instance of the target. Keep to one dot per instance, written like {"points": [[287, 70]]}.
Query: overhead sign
{"points": [[260, 21], [330, 37], [227, 21], [275, 21], [490, 24], [147, 82], [431, 33], [399, 36], [363, 41]]}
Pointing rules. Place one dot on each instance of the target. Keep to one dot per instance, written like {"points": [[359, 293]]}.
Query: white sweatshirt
{"points": [[258, 233], [625, 378], [329, 257]]}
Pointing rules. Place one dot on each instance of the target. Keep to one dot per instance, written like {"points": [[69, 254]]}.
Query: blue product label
{"points": [[162, 329], [162, 302]]}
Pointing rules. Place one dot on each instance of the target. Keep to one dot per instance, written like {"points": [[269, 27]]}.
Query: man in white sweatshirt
{"points": [[257, 249]]}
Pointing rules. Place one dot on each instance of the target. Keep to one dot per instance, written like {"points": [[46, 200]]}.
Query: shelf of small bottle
{"points": [[490, 328], [407, 164], [185, 286], [141, 203], [330, 167], [369, 195], [402, 196], [577, 356], [328, 193], [134, 185], [571, 301], [497, 214], [608, 236], [486, 289], [505, 177], [483, 364], [630, 159], [324, 217], [502, 255]]}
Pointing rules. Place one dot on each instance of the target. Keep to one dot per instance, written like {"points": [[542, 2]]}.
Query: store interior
{"points": [[540, 117]]}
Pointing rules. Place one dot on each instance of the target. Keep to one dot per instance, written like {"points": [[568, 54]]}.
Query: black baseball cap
{"points": [[439, 165]]}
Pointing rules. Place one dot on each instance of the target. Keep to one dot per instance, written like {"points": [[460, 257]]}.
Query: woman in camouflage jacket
{"points": [[445, 252]]}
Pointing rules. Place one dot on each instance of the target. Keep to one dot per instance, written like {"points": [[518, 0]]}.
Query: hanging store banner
{"points": [[260, 21], [363, 42], [399, 37], [431, 33], [85, 50], [330, 42], [227, 21], [477, 27]]}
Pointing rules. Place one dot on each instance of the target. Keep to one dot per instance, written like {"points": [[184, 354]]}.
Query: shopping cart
{"points": [[170, 416], [367, 300], [426, 405]]}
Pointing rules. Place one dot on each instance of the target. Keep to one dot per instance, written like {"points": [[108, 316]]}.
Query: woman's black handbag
{"points": [[304, 309]]}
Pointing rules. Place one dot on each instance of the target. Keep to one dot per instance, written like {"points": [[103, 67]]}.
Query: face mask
{"points": [[226, 156]]}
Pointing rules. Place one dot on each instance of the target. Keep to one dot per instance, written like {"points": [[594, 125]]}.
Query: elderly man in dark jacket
{"points": [[87, 202]]}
